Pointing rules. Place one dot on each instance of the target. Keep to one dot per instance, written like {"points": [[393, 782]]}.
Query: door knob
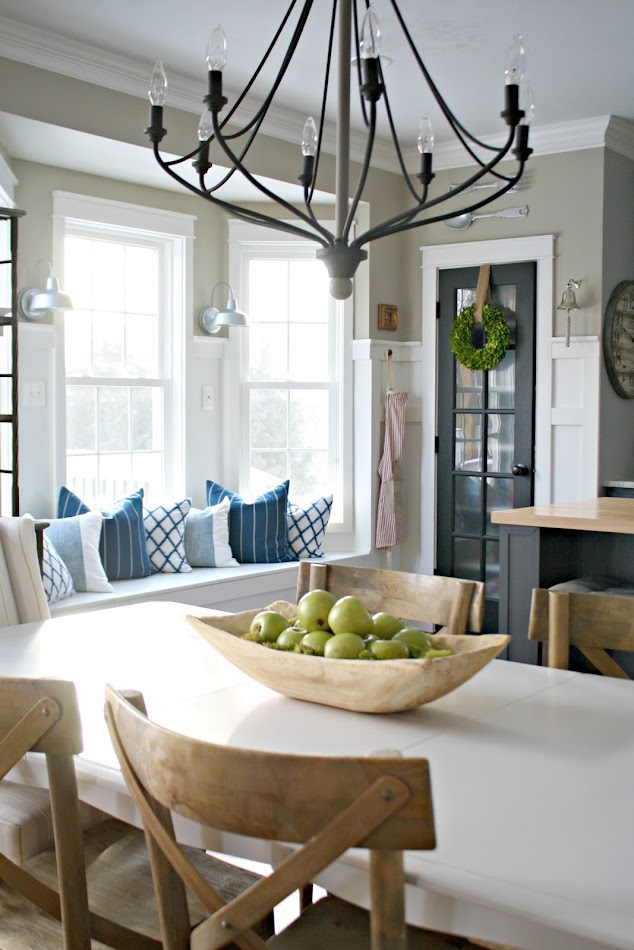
{"points": [[518, 469]]}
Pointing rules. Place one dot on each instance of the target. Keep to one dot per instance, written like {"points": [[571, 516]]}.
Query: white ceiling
{"points": [[579, 53]]}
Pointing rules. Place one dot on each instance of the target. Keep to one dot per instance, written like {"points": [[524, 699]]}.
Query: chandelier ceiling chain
{"points": [[358, 34]]}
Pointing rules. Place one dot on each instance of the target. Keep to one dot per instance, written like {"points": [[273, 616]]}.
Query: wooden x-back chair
{"points": [[450, 602], [325, 805], [594, 623], [113, 901]]}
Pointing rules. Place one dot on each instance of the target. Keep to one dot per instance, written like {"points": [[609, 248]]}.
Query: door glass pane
{"points": [[499, 495], [504, 297], [467, 504], [502, 383], [500, 442], [6, 396], [468, 445], [466, 559], [492, 569], [469, 387]]}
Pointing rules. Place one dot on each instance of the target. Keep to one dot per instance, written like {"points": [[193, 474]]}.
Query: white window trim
{"points": [[244, 238], [176, 230]]}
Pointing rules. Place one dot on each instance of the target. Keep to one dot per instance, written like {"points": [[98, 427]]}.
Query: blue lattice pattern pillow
{"points": [[307, 526], [56, 578], [165, 536]]}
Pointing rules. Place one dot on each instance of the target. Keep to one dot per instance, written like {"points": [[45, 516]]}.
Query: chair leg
{"points": [[305, 897]]}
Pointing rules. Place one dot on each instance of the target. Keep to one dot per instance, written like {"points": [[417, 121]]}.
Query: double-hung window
{"points": [[125, 269], [294, 404]]}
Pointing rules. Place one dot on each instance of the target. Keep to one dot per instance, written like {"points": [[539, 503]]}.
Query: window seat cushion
{"points": [[597, 584], [244, 587]]}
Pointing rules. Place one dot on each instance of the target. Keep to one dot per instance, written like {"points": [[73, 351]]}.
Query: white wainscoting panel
{"points": [[574, 419]]}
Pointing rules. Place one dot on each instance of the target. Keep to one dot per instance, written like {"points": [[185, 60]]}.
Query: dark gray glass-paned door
{"points": [[485, 429]]}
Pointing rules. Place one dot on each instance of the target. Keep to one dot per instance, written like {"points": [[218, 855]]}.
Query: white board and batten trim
{"points": [[573, 462], [538, 248]]}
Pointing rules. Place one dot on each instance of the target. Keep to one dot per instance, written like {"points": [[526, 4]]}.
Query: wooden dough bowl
{"points": [[373, 686]]}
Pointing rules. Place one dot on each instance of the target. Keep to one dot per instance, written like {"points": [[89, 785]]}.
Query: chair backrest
{"points": [[326, 804], [450, 602], [43, 716], [593, 623], [22, 597]]}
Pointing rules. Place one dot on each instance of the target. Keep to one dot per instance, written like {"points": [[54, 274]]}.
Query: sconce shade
{"points": [[211, 319], [34, 304]]}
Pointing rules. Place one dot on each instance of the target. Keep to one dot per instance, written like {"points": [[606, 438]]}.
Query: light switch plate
{"points": [[34, 394]]}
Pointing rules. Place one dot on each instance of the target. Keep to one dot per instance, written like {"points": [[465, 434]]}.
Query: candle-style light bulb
{"points": [[425, 136], [205, 126], [309, 137], [515, 62], [217, 49], [527, 101], [370, 35], [158, 85]]}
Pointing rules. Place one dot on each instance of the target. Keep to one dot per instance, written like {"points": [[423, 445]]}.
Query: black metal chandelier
{"points": [[358, 39]]}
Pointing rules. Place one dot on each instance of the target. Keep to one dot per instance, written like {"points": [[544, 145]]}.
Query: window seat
{"points": [[223, 588]]}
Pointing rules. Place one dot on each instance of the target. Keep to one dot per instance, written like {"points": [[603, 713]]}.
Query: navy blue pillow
{"points": [[123, 545], [258, 530]]}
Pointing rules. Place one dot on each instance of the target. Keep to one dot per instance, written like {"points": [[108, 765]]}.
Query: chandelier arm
{"points": [[237, 162], [252, 217], [449, 115], [354, 204], [322, 114], [394, 225], [364, 111], [397, 147], [259, 69]]}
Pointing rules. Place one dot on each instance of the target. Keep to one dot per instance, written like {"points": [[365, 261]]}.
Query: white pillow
{"points": [[164, 536], [76, 540], [207, 536], [56, 578], [307, 526]]}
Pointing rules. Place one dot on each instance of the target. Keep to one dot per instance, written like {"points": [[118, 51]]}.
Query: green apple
{"points": [[315, 642], [386, 625], [267, 626], [417, 640], [290, 637], [389, 650], [349, 615], [313, 609], [344, 646]]}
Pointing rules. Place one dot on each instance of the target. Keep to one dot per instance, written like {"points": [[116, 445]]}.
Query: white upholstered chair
{"points": [[25, 815], [22, 596]]}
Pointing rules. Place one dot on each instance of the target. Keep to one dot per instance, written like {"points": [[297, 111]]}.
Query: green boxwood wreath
{"points": [[498, 337]]}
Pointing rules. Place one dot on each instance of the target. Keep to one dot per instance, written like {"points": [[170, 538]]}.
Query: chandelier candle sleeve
{"points": [[355, 34]]}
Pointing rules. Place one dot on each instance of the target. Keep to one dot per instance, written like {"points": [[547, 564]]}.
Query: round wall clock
{"points": [[618, 339]]}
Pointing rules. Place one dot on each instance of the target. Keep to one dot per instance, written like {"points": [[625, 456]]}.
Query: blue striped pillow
{"points": [[123, 545], [258, 530]]}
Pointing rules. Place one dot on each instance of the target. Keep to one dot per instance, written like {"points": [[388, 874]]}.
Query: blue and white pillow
{"points": [[56, 578], [207, 537], [165, 536], [307, 526], [258, 532], [123, 547], [76, 540]]}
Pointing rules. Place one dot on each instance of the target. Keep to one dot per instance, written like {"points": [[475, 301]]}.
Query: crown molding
{"points": [[59, 54]]}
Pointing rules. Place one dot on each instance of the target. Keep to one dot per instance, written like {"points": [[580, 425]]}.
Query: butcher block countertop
{"points": [[614, 515]]}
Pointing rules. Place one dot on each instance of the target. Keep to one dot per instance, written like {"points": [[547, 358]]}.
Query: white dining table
{"points": [[532, 771]]}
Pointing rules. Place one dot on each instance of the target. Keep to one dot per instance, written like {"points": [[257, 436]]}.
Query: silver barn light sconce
{"points": [[568, 303], [212, 320], [35, 304]]}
